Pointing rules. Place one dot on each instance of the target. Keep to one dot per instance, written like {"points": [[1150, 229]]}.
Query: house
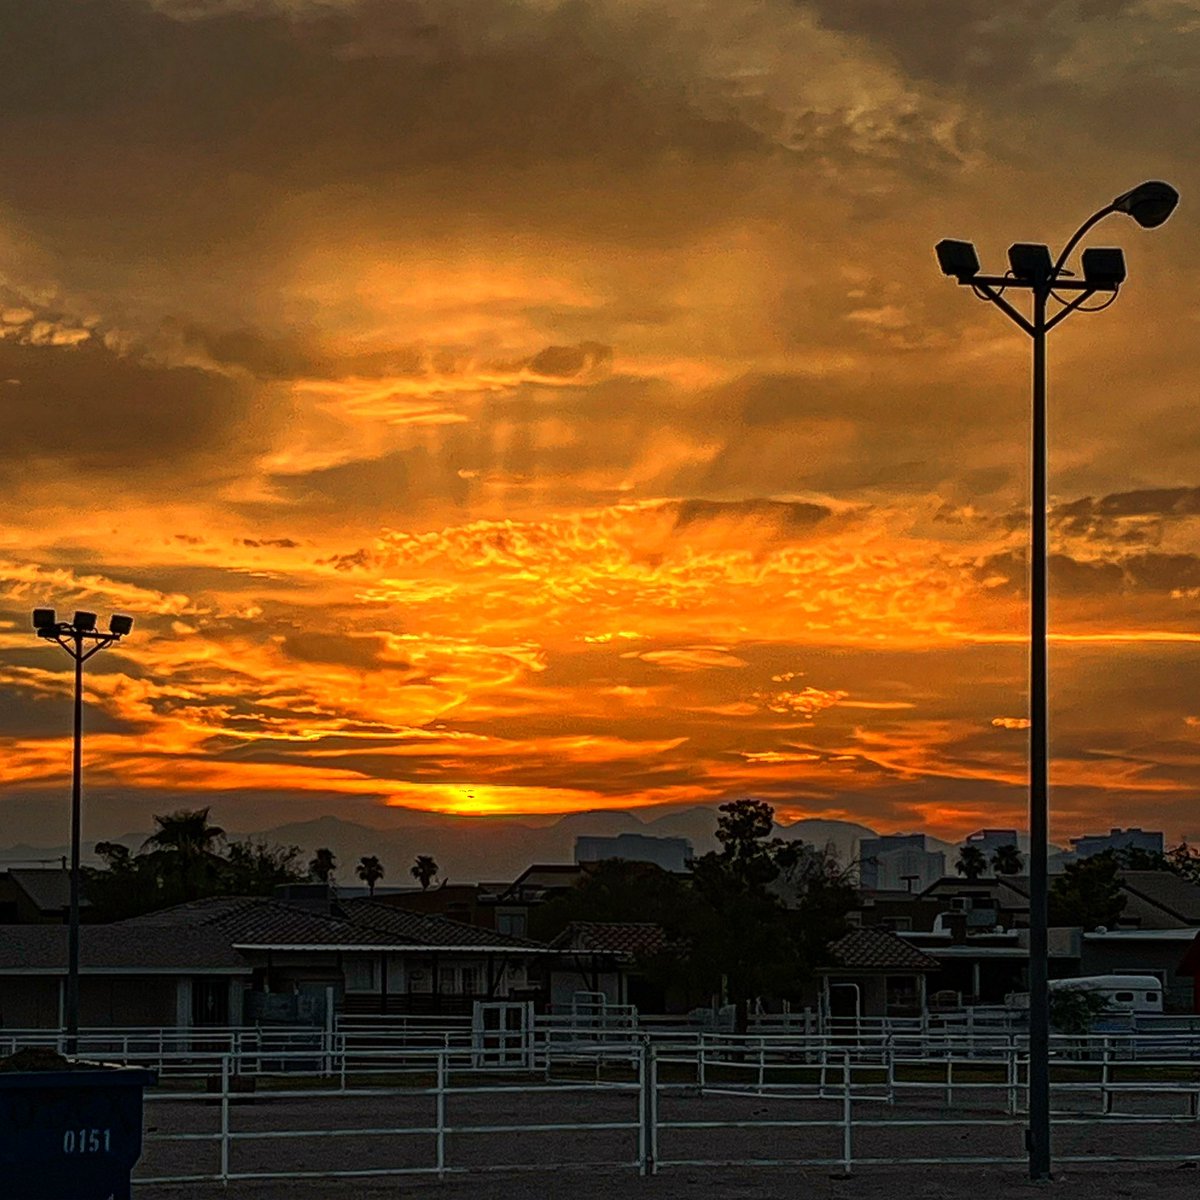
{"points": [[37, 896], [143, 977], [605, 958], [1144, 952], [234, 960], [875, 974], [535, 886], [1158, 900]]}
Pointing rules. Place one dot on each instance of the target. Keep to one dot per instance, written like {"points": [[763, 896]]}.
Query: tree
{"points": [[424, 870], [1074, 1009], [1007, 860], [322, 865], [771, 907], [1088, 893], [257, 868], [184, 848], [179, 863], [370, 871], [972, 862]]}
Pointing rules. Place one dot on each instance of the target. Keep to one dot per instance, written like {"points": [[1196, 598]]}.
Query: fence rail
{"points": [[732, 1104]]}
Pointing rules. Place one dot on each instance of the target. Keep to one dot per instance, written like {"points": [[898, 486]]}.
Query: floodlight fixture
{"points": [[119, 624], [1103, 266], [84, 622], [1031, 262], [1149, 204], [956, 258], [43, 618]]}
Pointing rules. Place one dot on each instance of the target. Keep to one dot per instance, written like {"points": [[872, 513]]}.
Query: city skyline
{"points": [[561, 409]]}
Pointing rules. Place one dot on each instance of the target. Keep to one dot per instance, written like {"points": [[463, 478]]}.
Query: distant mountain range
{"points": [[471, 849]]}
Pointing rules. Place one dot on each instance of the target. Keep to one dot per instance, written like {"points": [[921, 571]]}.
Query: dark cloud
{"points": [[362, 652], [94, 410], [566, 362], [789, 515]]}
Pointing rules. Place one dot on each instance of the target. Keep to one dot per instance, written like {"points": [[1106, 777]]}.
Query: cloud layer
{"points": [[543, 406]]}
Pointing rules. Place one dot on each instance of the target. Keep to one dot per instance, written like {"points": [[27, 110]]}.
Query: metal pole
{"points": [[72, 1004], [1038, 1133]]}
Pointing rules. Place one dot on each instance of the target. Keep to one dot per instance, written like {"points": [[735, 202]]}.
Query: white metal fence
{"points": [[765, 1101]]}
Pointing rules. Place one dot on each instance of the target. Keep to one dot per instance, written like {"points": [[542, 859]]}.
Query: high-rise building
{"points": [[899, 862], [670, 853], [1117, 839], [990, 840]]}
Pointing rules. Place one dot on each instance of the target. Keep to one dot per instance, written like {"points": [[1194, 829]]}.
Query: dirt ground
{"points": [[582, 1164], [877, 1183]]}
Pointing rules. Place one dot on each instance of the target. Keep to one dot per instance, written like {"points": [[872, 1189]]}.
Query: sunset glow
{"points": [[529, 408]]}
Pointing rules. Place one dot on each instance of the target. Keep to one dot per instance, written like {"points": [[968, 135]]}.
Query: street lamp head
{"points": [[43, 618], [1030, 261], [1104, 266], [84, 622], [1149, 204], [120, 625], [958, 259]]}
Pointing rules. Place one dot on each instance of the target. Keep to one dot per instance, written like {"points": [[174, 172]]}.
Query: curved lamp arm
{"points": [[1074, 240]]}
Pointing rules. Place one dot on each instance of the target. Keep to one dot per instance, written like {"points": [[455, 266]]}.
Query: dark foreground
{"points": [[1152, 1182]]}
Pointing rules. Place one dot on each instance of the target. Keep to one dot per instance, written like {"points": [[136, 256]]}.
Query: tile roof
{"points": [[38, 949], [263, 921], [626, 938], [429, 929], [877, 949]]}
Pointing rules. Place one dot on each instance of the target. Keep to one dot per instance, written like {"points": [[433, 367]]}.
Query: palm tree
{"points": [[424, 870], [322, 865], [185, 832], [184, 846], [370, 871], [1007, 860], [972, 862]]}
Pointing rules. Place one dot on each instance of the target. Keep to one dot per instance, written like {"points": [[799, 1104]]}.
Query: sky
{"points": [[530, 406]]}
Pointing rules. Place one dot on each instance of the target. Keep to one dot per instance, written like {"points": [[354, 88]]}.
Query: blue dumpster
{"points": [[70, 1134]]}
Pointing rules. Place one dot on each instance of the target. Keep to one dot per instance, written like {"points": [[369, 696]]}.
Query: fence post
{"points": [[643, 1111], [441, 1114], [700, 1068], [225, 1120], [889, 1060], [652, 1096], [1010, 1061], [846, 1125], [950, 1079], [762, 1066], [1105, 1092]]}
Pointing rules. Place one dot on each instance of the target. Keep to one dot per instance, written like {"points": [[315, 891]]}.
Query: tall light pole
{"points": [[1046, 279], [81, 639]]}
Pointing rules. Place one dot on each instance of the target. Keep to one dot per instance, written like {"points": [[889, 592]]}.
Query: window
{"points": [[471, 984], [361, 975], [512, 923], [1152, 997], [1123, 997]]}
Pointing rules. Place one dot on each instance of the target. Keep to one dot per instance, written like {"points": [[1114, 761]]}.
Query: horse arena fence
{"points": [[421, 1097]]}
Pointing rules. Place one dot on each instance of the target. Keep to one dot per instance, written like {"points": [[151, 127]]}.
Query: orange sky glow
{"points": [[532, 407]]}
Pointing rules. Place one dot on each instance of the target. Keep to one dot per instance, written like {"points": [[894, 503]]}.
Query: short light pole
{"points": [[1046, 279], [81, 639]]}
